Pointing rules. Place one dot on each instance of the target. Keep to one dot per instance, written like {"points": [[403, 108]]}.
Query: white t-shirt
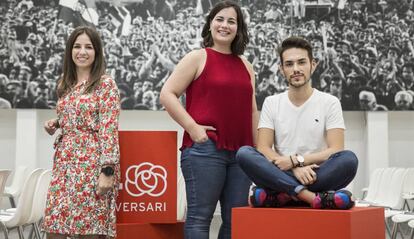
{"points": [[302, 129]]}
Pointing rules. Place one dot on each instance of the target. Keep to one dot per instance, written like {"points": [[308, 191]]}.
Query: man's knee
{"points": [[244, 154], [349, 159]]}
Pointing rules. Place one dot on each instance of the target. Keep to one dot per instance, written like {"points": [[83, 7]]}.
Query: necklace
{"points": [[81, 82]]}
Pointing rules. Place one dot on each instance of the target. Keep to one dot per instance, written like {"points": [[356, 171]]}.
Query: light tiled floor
{"points": [[215, 225], [13, 234], [214, 228]]}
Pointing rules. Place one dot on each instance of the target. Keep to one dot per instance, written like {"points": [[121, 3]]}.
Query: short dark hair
{"points": [[242, 38], [336, 77], [295, 42], [408, 65]]}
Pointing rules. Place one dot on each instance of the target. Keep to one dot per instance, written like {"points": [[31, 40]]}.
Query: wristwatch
{"points": [[301, 160], [108, 171]]}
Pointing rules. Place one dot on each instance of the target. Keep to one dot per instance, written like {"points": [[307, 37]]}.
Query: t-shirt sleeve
{"points": [[267, 114], [335, 118]]}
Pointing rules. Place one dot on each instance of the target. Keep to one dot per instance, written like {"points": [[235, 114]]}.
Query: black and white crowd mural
{"points": [[364, 48]]}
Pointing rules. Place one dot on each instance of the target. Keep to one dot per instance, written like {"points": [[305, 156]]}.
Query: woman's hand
{"points": [[51, 126], [105, 183], [199, 133]]}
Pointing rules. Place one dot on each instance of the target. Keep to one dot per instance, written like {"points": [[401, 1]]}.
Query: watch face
{"points": [[108, 171], [301, 160]]}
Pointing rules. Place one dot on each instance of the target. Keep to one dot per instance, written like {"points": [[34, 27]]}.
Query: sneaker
{"points": [[259, 197], [341, 199]]}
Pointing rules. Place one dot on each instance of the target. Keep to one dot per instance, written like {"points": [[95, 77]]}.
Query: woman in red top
{"points": [[220, 117]]}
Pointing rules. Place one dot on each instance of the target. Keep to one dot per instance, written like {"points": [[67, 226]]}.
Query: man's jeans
{"points": [[333, 174], [211, 175]]}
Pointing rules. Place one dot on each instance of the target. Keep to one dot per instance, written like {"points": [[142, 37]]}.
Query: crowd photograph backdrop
{"points": [[364, 49]]}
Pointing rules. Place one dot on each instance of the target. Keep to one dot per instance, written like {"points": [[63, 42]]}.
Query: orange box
{"points": [[150, 230], [148, 187], [306, 223]]}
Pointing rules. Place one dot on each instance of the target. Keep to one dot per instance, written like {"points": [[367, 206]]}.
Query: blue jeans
{"points": [[333, 174], [211, 175]]}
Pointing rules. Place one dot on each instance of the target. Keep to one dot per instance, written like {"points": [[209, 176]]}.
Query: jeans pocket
{"points": [[208, 141], [205, 149]]}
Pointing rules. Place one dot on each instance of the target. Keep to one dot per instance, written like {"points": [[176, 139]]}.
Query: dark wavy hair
{"points": [[69, 77], [242, 38], [295, 42]]}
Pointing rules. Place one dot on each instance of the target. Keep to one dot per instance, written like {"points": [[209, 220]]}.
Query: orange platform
{"points": [[150, 230], [306, 223]]}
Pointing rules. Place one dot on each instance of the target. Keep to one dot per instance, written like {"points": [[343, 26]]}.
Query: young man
{"points": [[306, 128]]}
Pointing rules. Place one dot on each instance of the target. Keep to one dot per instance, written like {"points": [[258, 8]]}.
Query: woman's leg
{"points": [[204, 171], [234, 194]]}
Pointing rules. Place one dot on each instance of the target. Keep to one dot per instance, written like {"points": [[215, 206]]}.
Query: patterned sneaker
{"points": [[341, 199], [259, 197]]}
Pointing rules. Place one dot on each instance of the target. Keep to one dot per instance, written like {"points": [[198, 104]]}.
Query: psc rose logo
{"points": [[146, 178]]}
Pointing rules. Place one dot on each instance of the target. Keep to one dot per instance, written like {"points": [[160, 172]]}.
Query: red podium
{"points": [[300, 223], [151, 230], [147, 200]]}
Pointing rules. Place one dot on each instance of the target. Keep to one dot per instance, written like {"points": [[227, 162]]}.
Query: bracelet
{"points": [[291, 160]]}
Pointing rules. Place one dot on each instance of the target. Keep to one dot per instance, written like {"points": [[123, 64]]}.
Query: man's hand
{"points": [[305, 175], [51, 126], [105, 183], [283, 163]]}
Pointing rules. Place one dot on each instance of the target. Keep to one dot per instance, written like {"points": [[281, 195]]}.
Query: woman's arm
{"points": [[188, 69], [109, 109]]}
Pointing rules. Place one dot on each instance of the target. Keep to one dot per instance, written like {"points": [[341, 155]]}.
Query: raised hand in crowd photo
{"points": [[359, 38]]}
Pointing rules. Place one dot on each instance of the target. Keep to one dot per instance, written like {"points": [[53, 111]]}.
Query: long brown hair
{"points": [[241, 40], [70, 78]]}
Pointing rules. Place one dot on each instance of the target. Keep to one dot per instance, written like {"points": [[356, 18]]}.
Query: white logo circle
{"points": [[147, 177]]}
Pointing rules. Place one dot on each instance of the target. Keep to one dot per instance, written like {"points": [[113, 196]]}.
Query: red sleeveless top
{"points": [[222, 97]]}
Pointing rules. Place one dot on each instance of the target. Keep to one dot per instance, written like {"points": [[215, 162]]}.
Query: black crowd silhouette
{"points": [[364, 49]]}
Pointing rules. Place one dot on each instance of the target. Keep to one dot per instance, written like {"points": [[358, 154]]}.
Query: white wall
{"points": [[379, 139], [355, 141], [401, 138]]}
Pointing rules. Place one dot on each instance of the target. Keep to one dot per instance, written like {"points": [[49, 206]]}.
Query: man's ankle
{"points": [[306, 196], [341, 199]]}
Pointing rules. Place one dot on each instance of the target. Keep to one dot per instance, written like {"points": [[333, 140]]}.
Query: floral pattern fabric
{"points": [[88, 140]]}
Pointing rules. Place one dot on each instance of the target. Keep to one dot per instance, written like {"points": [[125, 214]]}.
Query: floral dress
{"points": [[88, 140]]}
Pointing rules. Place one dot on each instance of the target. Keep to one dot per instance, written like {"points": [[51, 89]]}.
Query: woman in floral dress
{"points": [[82, 193]]}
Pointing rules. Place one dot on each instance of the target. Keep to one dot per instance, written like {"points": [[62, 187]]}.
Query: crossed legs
{"points": [[334, 174]]}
